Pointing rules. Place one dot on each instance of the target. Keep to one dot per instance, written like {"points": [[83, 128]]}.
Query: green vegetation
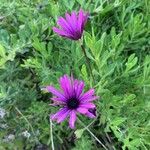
{"points": [[117, 42]]}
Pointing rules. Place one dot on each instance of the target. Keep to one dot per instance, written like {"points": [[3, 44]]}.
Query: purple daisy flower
{"points": [[72, 26], [73, 100]]}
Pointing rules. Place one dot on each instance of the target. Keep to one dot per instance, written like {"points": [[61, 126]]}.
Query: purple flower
{"points": [[72, 100], [72, 26]]}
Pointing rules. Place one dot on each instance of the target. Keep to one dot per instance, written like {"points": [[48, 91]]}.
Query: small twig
{"points": [[108, 137], [36, 139], [91, 123], [93, 135], [108, 142], [51, 134], [87, 59]]}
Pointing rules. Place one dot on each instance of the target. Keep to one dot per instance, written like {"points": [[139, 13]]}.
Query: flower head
{"points": [[73, 100], [72, 26]]}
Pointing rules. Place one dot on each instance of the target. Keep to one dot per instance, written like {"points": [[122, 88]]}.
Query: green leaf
{"points": [[39, 46], [84, 72], [117, 121], [2, 51], [132, 61], [79, 133]]}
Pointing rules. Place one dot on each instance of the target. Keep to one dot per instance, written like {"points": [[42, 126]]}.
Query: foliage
{"points": [[117, 42]]}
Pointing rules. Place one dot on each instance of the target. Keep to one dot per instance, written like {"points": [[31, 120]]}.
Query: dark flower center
{"points": [[73, 103]]}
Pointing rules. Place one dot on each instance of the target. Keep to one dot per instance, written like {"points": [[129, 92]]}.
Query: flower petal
{"points": [[82, 19], [58, 101], [73, 23], [82, 110], [64, 24], [59, 113], [86, 95], [72, 119], [79, 88], [62, 33], [69, 21], [90, 115], [89, 99], [63, 116], [66, 85], [87, 105], [56, 92], [74, 20]]}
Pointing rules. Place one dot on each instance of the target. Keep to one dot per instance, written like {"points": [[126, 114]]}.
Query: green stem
{"points": [[93, 135], [36, 139], [87, 60], [51, 133]]}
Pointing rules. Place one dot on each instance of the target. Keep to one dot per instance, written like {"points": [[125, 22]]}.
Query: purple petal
{"points": [[56, 92], [72, 119], [73, 23], [69, 20], [62, 33], [82, 19], [66, 85], [59, 113], [74, 20], [85, 20], [82, 110], [90, 115], [79, 88], [89, 99], [87, 105], [64, 24], [57, 101], [63, 116], [68, 17], [86, 95]]}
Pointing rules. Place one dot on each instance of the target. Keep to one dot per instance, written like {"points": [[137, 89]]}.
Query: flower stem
{"points": [[36, 139], [87, 60], [93, 135], [51, 133]]}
